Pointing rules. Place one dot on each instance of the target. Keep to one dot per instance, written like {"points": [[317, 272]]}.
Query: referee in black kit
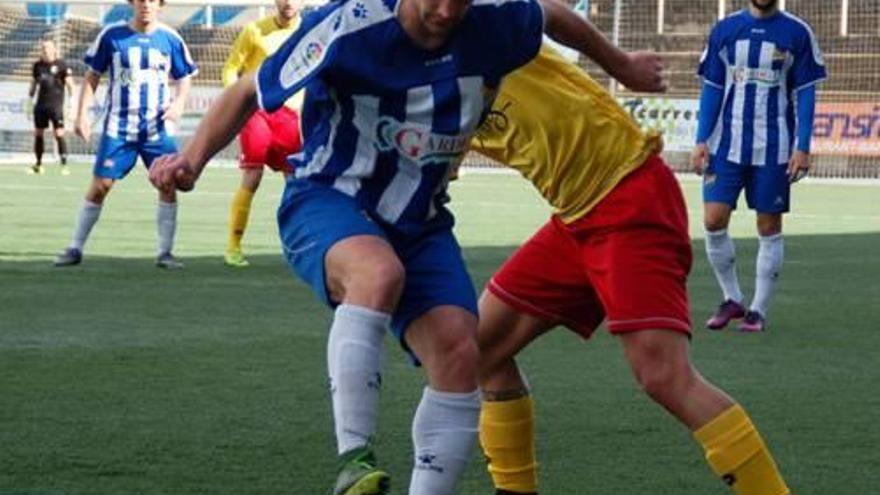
{"points": [[51, 76]]}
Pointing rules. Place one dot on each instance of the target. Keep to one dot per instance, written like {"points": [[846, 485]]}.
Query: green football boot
{"points": [[358, 474], [235, 258]]}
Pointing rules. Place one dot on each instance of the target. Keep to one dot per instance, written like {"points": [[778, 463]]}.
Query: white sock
{"points": [[444, 434], [85, 220], [722, 256], [355, 354], [166, 224], [770, 254]]}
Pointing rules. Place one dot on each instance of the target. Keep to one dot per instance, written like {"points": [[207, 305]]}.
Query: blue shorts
{"points": [[767, 187], [116, 157], [313, 217]]}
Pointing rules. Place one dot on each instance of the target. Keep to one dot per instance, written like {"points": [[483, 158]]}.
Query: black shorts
{"points": [[44, 115]]}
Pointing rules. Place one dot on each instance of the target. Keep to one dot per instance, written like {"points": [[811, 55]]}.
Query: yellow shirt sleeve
{"points": [[238, 56]]}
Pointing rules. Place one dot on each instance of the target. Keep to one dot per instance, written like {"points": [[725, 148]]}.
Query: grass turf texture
{"points": [[117, 377]]}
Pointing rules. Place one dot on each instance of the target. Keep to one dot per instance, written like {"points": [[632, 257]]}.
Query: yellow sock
{"points": [[736, 453], [507, 435], [238, 217]]}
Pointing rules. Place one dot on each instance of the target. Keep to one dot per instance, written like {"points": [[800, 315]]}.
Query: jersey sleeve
{"points": [[99, 54], [713, 68], [238, 55], [307, 52], [182, 64], [34, 73], [521, 24], [809, 65]]}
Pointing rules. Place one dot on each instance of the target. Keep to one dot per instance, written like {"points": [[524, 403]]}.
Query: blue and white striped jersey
{"points": [[384, 120], [760, 64], [140, 65]]}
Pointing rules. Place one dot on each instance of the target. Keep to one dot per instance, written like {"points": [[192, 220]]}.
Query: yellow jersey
{"points": [[563, 132], [254, 43]]}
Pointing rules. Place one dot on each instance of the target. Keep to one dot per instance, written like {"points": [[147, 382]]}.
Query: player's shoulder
{"points": [[796, 25], [335, 22], [259, 25], [732, 21], [500, 9], [495, 4], [169, 32], [114, 30]]}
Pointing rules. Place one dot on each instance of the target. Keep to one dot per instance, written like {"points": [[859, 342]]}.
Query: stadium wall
{"points": [[846, 134]]}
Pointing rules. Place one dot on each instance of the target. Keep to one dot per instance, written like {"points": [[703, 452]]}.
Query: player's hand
{"points": [[798, 166], [643, 73], [173, 172], [83, 127], [174, 112], [699, 158]]}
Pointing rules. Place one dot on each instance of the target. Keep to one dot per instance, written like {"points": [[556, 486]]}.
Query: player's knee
{"points": [[99, 190], [664, 381], [456, 356], [714, 223], [658, 379], [382, 279], [769, 225]]}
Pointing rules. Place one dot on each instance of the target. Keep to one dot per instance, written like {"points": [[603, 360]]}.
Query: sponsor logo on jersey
{"points": [[418, 143], [764, 77], [779, 55]]}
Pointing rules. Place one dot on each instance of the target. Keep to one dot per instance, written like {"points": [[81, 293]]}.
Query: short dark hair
{"points": [[161, 2]]}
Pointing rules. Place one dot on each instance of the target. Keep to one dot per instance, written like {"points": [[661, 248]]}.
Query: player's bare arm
{"points": [[219, 125], [69, 84], [638, 71], [699, 158], [83, 126], [175, 110]]}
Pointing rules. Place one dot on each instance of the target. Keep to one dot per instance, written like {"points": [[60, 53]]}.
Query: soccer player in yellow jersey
{"points": [[616, 249], [266, 138]]}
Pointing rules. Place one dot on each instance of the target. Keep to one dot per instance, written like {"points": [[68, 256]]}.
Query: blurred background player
{"points": [[141, 56], [51, 78], [617, 249], [758, 101], [267, 138]]}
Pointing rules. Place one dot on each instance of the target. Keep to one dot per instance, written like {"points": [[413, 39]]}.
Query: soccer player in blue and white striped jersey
{"points": [[142, 58], [395, 90], [759, 72]]}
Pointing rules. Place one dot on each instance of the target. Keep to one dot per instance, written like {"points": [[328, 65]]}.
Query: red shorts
{"points": [[626, 260], [268, 139]]}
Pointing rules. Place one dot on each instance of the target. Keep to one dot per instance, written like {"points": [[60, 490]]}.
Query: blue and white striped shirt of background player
{"points": [[140, 65], [384, 120], [760, 65]]}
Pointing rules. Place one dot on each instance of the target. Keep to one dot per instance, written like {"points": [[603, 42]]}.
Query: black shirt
{"points": [[50, 78]]}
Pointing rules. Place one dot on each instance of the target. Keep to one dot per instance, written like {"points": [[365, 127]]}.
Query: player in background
{"points": [[51, 77], [267, 138], [760, 71], [395, 93], [616, 249], [142, 56]]}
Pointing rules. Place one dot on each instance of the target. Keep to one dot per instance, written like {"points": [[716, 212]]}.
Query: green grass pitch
{"points": [[119, 378]]}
